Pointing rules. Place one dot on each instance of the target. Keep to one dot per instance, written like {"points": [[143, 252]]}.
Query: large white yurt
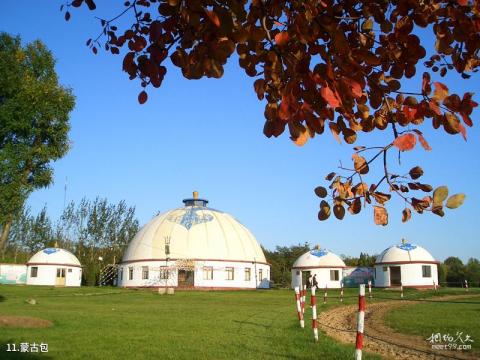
{"points": [[405, 264], [194, 247], [321, 263], [54, 266]]}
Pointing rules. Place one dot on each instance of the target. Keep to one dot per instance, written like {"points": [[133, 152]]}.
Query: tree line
{"points": [[96, 231]]}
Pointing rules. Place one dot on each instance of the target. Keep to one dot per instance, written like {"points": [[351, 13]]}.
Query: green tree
{"points": [[473, 272], [34, 124], [455, 271]]}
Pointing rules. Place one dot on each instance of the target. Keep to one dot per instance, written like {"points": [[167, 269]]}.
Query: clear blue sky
{"points": [[206, 135]]}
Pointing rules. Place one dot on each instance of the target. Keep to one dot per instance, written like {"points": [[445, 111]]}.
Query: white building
{"points": [[321, 263], [54, 266], [405, 264], [13, 273], [194, 247]]}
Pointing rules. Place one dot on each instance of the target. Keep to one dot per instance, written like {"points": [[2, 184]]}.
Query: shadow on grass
{"points": [[252, 323], [7, 355], [2, 298]]}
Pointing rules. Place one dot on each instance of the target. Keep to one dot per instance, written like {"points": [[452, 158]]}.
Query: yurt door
{"points": [[60, 279], [395, 276]]}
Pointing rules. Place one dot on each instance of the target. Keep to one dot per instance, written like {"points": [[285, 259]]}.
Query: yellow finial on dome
{"points": [[317, 247], [195, 194], [404, 241], [56, 244]]}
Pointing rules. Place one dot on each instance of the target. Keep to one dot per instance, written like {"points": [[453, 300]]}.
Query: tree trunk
{"points": [[4, 235]]}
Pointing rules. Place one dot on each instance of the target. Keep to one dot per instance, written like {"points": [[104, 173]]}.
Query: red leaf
{"points": [[426, 88], [405, 142], [355, 87], [330, 97], [213, 17], [422, 140], [466, 119], [410, 112], [281, 39], [67, 16], [284, 111], [434, 107], [462, 2], [142, 97]]}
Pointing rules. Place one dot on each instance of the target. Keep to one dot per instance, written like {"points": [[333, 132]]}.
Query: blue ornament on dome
{"points": [[50, 251], [190, 218], [319, 252], [407, 246]]}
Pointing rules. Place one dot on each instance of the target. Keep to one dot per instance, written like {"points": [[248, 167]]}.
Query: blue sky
{"points": [[206, 135]]}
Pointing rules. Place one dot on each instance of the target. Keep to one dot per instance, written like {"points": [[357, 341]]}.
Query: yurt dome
{"points": [[54, 256], [404, 252], [324, 265], [406, 264], [54, 266], [201, 235], [318, 258]]}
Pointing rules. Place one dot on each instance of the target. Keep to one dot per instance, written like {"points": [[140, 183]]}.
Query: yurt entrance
{"points": [[60, 279], [185, 278], [395, 276], [305, 276]]}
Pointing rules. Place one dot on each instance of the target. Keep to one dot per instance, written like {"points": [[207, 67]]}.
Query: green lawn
{"points": [[140, 324], [429, 318]]}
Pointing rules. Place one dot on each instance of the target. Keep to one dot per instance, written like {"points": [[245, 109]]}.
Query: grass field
{"points": [[129, 324], [445, 318], [111, 323]]}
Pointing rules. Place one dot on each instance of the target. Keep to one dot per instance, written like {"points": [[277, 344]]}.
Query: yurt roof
{"points": [[54, 256], [194, 232], [318, 258], [404, 253]]}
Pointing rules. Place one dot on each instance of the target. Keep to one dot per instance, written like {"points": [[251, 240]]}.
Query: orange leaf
{"points": [[330, 97], [213, 17], [142, 97], [441, 91], [462, 2], [302, 138], [410, 112], [380, 215], [335, 131], [461, 129], [281, 39], [422, 140], [355, 87], [405, 142]]}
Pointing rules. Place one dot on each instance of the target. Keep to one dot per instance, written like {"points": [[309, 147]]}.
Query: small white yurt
{"points": [[54, 266], [406, 264], [194, 246], [321, 263]]}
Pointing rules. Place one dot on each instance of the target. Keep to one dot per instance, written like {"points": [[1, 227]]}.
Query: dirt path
{"points": [[340, 323]]}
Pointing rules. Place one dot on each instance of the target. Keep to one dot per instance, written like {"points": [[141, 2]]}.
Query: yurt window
{"points": [[144, 272], [334, 275], [260, 274], [33, 271], [426, 271], [207, 273], [163, 272], [229, 271], [130, 273], [121, 273], [248, 274]]}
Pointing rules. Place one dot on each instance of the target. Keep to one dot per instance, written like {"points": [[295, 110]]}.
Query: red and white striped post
{"points": [[434, 286], [370, 289], [299, 307], [360, 323], [401, 290], [325, 295], [313, 302], [303, 298], [466, 285], [341, 292]]}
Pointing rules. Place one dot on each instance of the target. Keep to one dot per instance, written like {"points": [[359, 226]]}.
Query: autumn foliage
{"points": [[319, 64]]}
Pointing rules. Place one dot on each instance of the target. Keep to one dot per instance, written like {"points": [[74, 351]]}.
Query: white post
{"points": [[370, 289]]}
